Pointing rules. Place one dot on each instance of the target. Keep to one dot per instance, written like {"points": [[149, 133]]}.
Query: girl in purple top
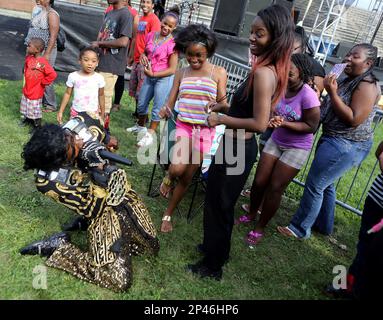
{"points": [[295, 118]]}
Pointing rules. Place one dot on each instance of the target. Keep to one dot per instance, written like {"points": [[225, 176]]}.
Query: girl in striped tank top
{"points": [[194, 87]]}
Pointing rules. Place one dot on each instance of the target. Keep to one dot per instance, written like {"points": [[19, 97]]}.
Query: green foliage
{"points": [[279, 268]]}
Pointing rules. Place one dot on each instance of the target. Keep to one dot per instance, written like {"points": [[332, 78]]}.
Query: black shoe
{"points": [[204, 272], [37, 123], [338, 293], [201, 250], [24, 122], [79, 223], [47, 246]]}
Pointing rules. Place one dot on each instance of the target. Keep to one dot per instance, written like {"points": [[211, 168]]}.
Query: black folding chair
{"points": [[163, 153]]}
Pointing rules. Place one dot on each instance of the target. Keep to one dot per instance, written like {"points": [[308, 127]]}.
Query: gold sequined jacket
{"points": [[120, 226]]}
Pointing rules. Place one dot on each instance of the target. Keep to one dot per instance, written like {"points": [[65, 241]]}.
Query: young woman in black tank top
{"points": [[271, 41]]}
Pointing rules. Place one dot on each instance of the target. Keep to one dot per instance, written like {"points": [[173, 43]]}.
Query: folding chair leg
{"points": [[193, 197], [151, 180], [195, 211]]}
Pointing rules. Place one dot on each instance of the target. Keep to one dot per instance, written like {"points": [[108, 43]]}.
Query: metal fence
{"points": [[353, 186], [236, 72]]}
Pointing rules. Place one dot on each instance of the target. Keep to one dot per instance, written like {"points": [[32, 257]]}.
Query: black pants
{"points": [[362, 266], [222, 194], [119, 89], [372, 214], [370, 284]]}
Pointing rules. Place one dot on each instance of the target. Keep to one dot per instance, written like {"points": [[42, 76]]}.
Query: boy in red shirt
{"points": [[148, 22], [37, 75]]}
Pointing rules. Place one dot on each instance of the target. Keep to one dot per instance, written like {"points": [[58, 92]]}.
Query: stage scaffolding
{"points": [[327, 19], [324, 28]]}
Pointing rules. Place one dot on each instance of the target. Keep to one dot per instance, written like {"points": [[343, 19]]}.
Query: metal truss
{"points": [[324, 28], [372, 21]]}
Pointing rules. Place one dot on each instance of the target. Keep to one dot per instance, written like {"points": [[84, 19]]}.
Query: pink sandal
{"points": [[253, 238], [246, 193], [243, 219], [245, 207]]}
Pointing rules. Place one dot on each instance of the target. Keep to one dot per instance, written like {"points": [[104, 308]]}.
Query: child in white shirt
{"points": [[87, 86]]}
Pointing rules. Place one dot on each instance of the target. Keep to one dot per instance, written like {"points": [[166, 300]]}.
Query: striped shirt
{"points": [[376, 190], [194, 95]]}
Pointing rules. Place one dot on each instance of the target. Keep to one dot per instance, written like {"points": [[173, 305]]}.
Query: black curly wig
{"points": [[195, 33], [46, 149]]}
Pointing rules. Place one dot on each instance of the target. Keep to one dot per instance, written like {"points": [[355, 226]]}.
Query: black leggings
{"points": [[222, 194], [119, 89]]}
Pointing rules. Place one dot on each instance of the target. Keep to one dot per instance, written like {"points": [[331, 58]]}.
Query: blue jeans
{"points": [[333, 157], [158, 88]]}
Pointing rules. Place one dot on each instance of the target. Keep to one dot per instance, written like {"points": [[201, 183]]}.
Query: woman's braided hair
{"points": [[304, 65]]}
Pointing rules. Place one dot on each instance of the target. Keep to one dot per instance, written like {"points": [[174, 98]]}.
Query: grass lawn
{"points": [[279, 268]]}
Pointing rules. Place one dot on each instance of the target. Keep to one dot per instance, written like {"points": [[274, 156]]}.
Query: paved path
{"points": [[13, 28]]}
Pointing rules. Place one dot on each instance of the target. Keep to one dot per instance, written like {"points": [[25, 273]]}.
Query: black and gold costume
{"points": [[119, 224]]}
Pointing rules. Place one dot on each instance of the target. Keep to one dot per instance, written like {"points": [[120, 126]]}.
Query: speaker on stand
{"points": [[227, 18], [234, 18]]}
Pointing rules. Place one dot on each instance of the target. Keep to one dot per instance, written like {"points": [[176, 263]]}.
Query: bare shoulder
{"points": [[368, 88], [264, 72], [264, 77], [220, 71], [53, 13]]}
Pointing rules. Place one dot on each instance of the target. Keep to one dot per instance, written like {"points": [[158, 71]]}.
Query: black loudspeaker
{"points": [[251, 12], [227, 17], [287, 3], [379, 62], [296, 16], [342, 48], [235, 17]]}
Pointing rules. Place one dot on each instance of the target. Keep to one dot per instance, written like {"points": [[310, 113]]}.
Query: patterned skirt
{"points": [[31, 109]]}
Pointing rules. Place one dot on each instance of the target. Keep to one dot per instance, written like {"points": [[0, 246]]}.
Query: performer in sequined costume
{"points": [[74, 174]]}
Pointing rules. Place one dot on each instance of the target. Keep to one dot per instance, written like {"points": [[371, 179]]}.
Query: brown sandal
{"points": [[168, 185], [246, 193], [286, 231], [166, 219]]}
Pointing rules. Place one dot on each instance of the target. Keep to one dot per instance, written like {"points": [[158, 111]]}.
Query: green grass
{"points": [[279, 268]]}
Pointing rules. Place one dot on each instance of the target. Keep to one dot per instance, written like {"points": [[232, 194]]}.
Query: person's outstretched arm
{"points": [[64, 102]]}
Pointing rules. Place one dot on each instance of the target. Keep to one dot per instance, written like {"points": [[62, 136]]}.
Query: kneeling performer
{"points": [[72, 169]]}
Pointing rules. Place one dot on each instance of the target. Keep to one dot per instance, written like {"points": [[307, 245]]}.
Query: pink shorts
{"points": [[202, 136]]}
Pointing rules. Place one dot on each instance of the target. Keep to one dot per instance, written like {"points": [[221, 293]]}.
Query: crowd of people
{"points": [[282, 99]]}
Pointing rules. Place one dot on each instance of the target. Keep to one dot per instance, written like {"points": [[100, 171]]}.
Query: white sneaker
{"points": [[146, 140], [136, 129]]}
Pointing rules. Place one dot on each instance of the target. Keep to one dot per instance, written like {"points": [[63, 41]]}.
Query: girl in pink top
{"points": [[160, 63]]}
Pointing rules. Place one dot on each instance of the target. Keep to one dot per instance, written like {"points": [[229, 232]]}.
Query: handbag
{"points": [[61, 39]]}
